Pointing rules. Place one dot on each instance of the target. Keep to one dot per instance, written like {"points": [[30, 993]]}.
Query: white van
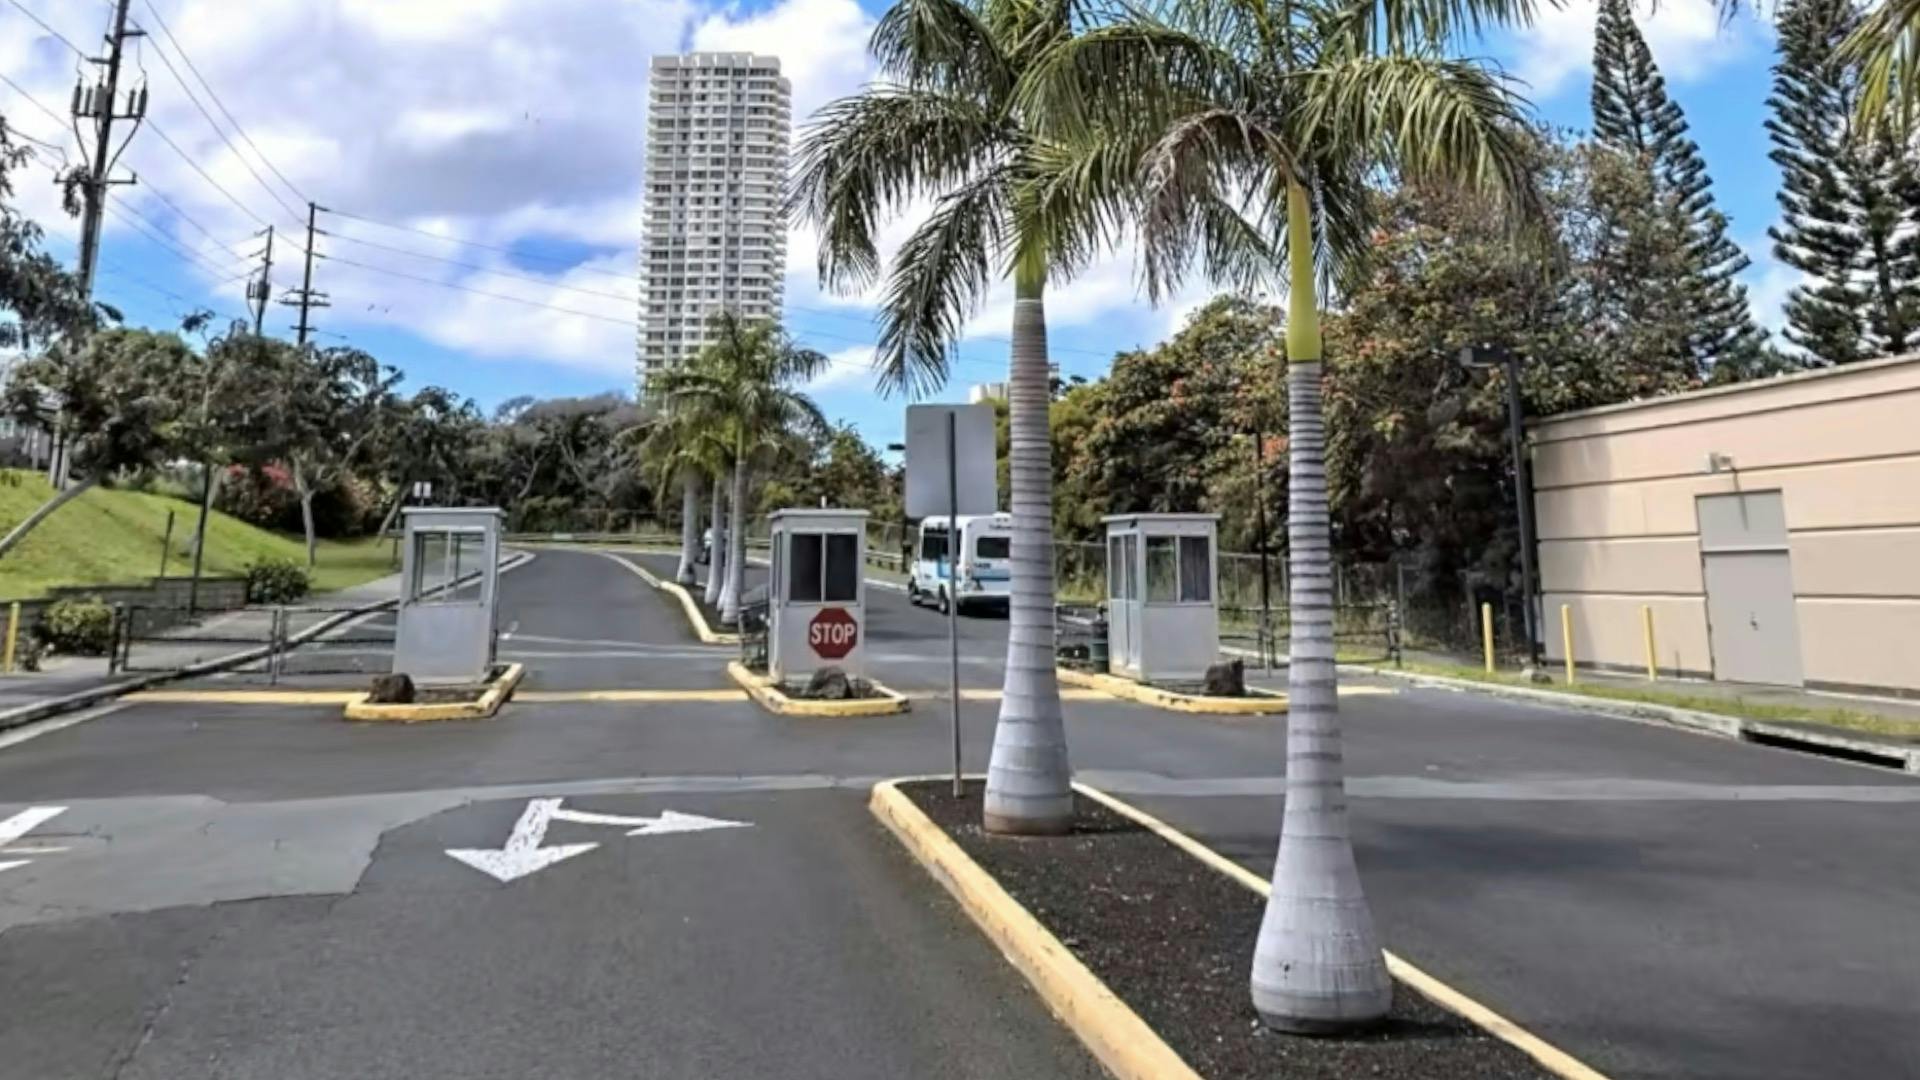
{"points": [[986, 562]]}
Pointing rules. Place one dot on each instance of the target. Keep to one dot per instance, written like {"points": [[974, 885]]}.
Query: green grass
{"points": [[1833, 717], [114, 538]]}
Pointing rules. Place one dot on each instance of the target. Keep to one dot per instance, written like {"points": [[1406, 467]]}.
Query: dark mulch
{"points": [[1174, 938]]}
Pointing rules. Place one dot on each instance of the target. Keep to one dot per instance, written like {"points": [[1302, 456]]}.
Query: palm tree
{"points": [[1262, 128], [945, 126], [683, 447], [746, 382]]}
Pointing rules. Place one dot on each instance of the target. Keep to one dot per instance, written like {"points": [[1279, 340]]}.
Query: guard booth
{"points": [[1163, 620], [816, 593], [449, 595]]}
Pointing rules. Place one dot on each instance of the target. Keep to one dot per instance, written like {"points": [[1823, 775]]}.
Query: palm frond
{"points": [[1885, 47], [1429, 119], [1194, 181], [939, 278], [866, 157], [1137, 74], [941, 44]]}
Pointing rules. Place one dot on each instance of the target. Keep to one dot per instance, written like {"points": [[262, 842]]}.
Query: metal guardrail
{"points": [[358, 646]]}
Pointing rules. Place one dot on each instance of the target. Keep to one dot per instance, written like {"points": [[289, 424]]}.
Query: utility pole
{"points": [[100, 105], [305, 298], [260, 289]]}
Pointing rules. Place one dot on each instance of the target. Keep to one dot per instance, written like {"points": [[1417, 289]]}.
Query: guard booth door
{"points": [[1123, 603]]}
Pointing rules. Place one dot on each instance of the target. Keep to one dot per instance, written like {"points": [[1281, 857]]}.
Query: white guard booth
{"points": [[816, 593], [450, 577], [1163, 620]]}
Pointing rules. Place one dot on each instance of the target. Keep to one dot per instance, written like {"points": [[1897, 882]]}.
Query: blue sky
{"points": [[507, 132]]}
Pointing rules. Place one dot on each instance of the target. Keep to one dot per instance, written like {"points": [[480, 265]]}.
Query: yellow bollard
{"points": [[13, 635], [1486, 633], [1566, 638], [1646, 621]]}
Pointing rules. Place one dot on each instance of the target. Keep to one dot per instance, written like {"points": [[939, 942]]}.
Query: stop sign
{"points": [[833, 633]]}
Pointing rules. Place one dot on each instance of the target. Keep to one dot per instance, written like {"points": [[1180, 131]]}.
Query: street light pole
{"points": [[1260, 513], [1487, 356]]}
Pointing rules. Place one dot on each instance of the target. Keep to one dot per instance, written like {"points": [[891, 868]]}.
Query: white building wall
{"points": [[718, 134]]}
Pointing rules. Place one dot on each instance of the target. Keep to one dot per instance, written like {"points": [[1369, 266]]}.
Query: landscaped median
{"points": [[1257, 702], [1162, 931], [450, 703], [774, 698]]}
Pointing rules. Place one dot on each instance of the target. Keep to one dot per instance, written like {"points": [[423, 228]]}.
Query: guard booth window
{"points": [[826, 568], [441, 557]]}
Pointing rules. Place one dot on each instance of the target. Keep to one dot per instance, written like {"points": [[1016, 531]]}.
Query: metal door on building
{"points": [[1123, 604], [1752, 624]]}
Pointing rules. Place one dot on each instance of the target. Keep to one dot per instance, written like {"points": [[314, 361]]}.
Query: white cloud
{"points": [[1768, 282], [511, 123], [1686, 36], [846, 367]]}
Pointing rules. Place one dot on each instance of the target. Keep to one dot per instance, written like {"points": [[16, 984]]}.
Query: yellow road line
{"points": [[630, 695], [1554, 1059], [248, 697]]}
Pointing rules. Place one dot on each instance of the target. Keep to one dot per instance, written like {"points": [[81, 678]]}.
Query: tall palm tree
{"points": [[747, 381], [682, 447], [1262, 127], [944, 125]]}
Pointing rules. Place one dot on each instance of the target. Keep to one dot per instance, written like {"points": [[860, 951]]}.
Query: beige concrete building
{"points": [[1772, 529]]}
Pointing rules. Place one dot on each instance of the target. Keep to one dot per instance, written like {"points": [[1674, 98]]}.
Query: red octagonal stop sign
{"points": [[833, 633]]}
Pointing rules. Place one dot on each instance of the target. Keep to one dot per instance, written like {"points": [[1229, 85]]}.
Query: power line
{"points": [[628, 298], [42, 23], [145, 226], [184, 156], [217, 129], [574, 264], [480, 292], [34, 101], [147, 185], [217, 103]]}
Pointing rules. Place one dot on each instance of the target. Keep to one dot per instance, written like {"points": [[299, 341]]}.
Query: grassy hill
{"points": [[114, 537]]}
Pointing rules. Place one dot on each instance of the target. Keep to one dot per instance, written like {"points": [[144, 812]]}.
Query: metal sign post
{"points": [[963, 436], [953, 586]]}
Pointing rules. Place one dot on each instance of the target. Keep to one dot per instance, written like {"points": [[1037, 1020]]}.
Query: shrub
{"points": [[277, 581], [81, 627]]}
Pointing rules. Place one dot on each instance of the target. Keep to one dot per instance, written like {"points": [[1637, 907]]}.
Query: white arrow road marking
{"points": [[523, 855], [671, 821], [23, 823]]}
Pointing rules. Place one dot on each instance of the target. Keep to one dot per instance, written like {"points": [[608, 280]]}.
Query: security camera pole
{"points": [[1485, 355]]}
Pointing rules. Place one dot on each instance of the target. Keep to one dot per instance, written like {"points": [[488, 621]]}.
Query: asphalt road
{"points": [[251, 892]]}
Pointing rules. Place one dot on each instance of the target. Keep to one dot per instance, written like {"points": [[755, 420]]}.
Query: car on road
{"points": [[706, 547], [986, 574]]}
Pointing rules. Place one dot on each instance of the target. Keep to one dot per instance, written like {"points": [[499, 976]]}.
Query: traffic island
{"points": [[467, 701], [1145, 951], [859, 698], [1255, 702]]}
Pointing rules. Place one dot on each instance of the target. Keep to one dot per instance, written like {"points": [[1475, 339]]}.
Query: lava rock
{"points": [[396, 689], [1226, 679], [829, 684]]}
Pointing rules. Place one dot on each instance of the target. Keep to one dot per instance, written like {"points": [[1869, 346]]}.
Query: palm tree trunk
{"points": [[1029, 784], [717, 551], [1317, 966], [736, 547], [45, 510], [689, 525]]}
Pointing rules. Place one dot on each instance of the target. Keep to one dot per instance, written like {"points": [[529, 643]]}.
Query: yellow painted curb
{"points": [[248, 697], [695, 616], [1257, 702], [982, 694], [1114, 1033], [771, 698], [629, 695], [361, 709], [1550, 1057]]}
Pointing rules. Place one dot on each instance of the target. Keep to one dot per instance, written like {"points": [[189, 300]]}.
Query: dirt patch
{"points": [[1174, 939]]}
